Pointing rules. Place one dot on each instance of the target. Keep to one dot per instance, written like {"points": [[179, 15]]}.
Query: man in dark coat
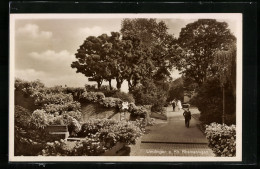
{"points": [[187, 116]]}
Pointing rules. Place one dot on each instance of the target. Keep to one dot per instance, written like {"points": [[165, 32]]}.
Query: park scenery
{"points": [[125, 87]]}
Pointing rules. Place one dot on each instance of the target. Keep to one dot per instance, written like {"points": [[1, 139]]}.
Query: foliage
{"points": [[42, 98], [209, 102], [176, 90], [75, 91], [61, 108], [199, 41], [73, 125], [75, 114], [29, 142], [111, 102], [92, 96], [125, 97], [108, 92], [22, 117], [222, 139], [115, 131], [28, 88], [144, 50], [99, 136], [151, 93], [137, 110], [40, 119]]}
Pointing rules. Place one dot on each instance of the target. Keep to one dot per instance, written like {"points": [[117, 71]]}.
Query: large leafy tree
{"points": [[98, 58], [111, 57], [199, 42], [152, 40]]}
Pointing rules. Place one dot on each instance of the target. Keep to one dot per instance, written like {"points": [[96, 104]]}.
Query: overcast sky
{"points": [[45, 48]]}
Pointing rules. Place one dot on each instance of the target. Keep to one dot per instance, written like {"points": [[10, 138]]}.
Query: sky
{"points": [[45, 47]]}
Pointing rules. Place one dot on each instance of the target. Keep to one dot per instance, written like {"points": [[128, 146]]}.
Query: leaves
{"points": [[199, 42], [222, 139]]}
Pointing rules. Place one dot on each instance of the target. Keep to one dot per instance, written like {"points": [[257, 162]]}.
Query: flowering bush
{"points": [[107, 129], [137, 110], [100, 135], [60, 108], [92, 96], [51, 98], [111, 102], [92, 126], [222, 139], [40, 119]]}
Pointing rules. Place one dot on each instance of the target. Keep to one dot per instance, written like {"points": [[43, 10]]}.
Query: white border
{"points": [[231, 16]]}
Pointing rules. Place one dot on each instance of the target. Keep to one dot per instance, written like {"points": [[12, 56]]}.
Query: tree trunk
{"points": [[130, 86], [118, 83], [223, 115], [99, 82], [110, 85]]}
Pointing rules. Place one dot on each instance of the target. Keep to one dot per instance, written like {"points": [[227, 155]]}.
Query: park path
{"points": [[172, 138]]}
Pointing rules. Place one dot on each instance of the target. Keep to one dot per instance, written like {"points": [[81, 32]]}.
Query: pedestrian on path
{"points": [[187, 116], [173, 104], [179, 105]]}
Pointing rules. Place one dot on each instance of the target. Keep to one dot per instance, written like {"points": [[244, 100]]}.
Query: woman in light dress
{"points": [[179, 105]]}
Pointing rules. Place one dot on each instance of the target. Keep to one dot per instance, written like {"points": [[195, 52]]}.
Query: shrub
{"points": [[52, 98], [60, 108], [125, 132], [137, 110], [86, 147], [75, 114], [92, 96], [126, 97], [40, 119], [222, 139], [28, 88], [209, 102], [100, 135], [22, 117], [111, 102], [151, 93], [103, 89], [75, 91], [73, 125], [92, 126]]}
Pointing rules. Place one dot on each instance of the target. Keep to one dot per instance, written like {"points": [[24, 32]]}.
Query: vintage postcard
{"points": [[125, 87]]}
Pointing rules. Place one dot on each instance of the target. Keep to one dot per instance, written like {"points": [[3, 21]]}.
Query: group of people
{"points": [[176, 103], [186, 113]]}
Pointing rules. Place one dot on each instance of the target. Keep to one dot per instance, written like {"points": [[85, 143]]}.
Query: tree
{"points": [[199, 42], [225, 63], [91, 57], [102, 58], [155, 43]]}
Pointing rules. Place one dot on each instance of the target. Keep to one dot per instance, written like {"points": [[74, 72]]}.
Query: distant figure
{"points": [[179, 105], [187, 116], [173, 104]]}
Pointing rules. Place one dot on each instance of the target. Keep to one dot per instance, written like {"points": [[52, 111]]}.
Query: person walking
{"points": [[187, 116], [173, 104], [179, 105]]}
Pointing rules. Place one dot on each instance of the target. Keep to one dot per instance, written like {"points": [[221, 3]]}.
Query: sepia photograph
{"points": [[125, 87]]}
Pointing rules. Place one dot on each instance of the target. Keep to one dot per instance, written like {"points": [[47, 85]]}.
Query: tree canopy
{"points": [[140, 52], [199, 42]]}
